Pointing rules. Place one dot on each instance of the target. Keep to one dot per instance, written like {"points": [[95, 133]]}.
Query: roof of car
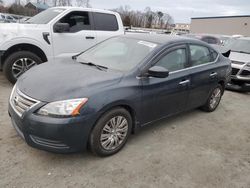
{"points": [[84, 9], [207, 35], [159, 38]]}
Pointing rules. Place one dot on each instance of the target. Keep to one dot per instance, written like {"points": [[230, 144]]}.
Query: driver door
{"points": [[80, 36], [166, 96]]}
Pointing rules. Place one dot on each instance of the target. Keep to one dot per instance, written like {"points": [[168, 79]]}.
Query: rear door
{"points": [[80, 37], [204, 74], [165, 96]]}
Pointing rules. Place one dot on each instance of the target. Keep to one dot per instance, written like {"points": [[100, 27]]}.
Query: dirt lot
{"points": [[194, 149]]}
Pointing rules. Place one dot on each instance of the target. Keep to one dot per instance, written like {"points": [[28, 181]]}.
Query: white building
{"points": [[226, 25]]}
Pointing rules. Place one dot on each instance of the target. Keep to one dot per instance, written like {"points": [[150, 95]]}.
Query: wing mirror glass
{"points": [[158, 72], [61, 27]]}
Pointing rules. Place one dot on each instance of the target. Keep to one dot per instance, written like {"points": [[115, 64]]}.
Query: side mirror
{"points": [[61, 27], [158, 72]]}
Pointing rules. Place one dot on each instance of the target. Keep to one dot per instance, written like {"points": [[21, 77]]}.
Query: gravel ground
{"points": [[194, 149]]}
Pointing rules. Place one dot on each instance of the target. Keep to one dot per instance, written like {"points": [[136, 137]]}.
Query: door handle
{"points": [[89, 37], [213, 74], [184, 82]]}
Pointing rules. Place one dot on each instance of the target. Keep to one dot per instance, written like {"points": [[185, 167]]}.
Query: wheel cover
{"points": [[215, 98], [114, 133], [22, 65]]}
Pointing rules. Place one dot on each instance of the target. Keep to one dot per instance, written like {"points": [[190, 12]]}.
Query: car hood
{"points": [[241, 57], [65, 80]]}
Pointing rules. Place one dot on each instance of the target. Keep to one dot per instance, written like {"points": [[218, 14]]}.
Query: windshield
{"points": [[241, 45], [45, 16], [118, 53]]}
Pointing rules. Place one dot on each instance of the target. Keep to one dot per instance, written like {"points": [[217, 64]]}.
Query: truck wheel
{"points": [[19, 62], [111, 132]]}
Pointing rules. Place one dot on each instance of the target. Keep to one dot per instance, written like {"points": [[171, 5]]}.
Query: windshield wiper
{"points": [[243, 52], [100, 67]]}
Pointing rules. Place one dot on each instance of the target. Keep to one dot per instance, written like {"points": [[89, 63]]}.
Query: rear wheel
{"points": [[18, 63], [111, 132], [213, 99]]}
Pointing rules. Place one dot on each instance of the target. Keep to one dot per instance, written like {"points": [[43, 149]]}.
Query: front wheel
{"points": [[18, 63], [111, 132], [213, 99]]}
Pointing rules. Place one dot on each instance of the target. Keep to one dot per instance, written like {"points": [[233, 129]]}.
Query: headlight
{"points": [[63, 108]]}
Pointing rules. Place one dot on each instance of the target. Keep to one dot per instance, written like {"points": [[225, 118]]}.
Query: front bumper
{"points": [[240, 73], [61, 135]]}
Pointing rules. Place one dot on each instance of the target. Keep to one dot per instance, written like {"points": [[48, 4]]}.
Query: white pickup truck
{"points": [[53, 34]]}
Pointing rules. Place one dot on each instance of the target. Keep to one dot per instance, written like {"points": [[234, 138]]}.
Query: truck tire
{"points": [[19, 62]]}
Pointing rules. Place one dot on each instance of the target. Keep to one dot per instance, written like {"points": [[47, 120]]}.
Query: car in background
{"points": [[6, 18], [213, 39], [113, 89], [54, 34], [240, 57]]}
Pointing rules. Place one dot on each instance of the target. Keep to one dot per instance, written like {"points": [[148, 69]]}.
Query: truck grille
{"points": [[21, 102], [235, 71]]}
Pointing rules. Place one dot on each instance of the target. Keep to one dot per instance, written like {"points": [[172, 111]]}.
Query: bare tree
{"points": [[17, 2], [160, 15], [146, 18], [1, 2]]}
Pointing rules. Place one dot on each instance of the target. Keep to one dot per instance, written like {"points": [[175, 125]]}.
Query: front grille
{"points": [[245, 73], [235, 71], [21, 102]]}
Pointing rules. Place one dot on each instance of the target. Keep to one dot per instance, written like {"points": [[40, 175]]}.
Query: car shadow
{"points": [[86, 156]]}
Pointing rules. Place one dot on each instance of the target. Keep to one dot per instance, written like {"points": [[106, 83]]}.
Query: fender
{"points": [[25, 40], [128, 106]]}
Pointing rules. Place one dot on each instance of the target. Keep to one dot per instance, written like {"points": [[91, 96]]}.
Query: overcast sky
{"points": [[181, 10]]}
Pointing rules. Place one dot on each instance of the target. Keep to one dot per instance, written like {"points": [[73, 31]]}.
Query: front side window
{"points": [[77, 21], [174, 60], [105, 22], [199, 55]]}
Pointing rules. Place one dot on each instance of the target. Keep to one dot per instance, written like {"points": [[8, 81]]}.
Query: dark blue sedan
{"points": [[111, 90]]}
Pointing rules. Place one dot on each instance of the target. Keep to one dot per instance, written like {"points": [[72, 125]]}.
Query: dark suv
{"points": [[113, 89]]}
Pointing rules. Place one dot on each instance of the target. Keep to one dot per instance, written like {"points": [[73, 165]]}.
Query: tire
{"points": [[99, 147], [212, 103], [14, 67]]}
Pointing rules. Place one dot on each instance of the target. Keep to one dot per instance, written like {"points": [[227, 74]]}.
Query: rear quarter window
{"points": [[105, 22], [214, 55], [199, 54]]}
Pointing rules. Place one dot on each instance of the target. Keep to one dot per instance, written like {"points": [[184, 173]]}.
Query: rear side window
{"points": [[199, 55], [174, 60], [105, 22]]}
